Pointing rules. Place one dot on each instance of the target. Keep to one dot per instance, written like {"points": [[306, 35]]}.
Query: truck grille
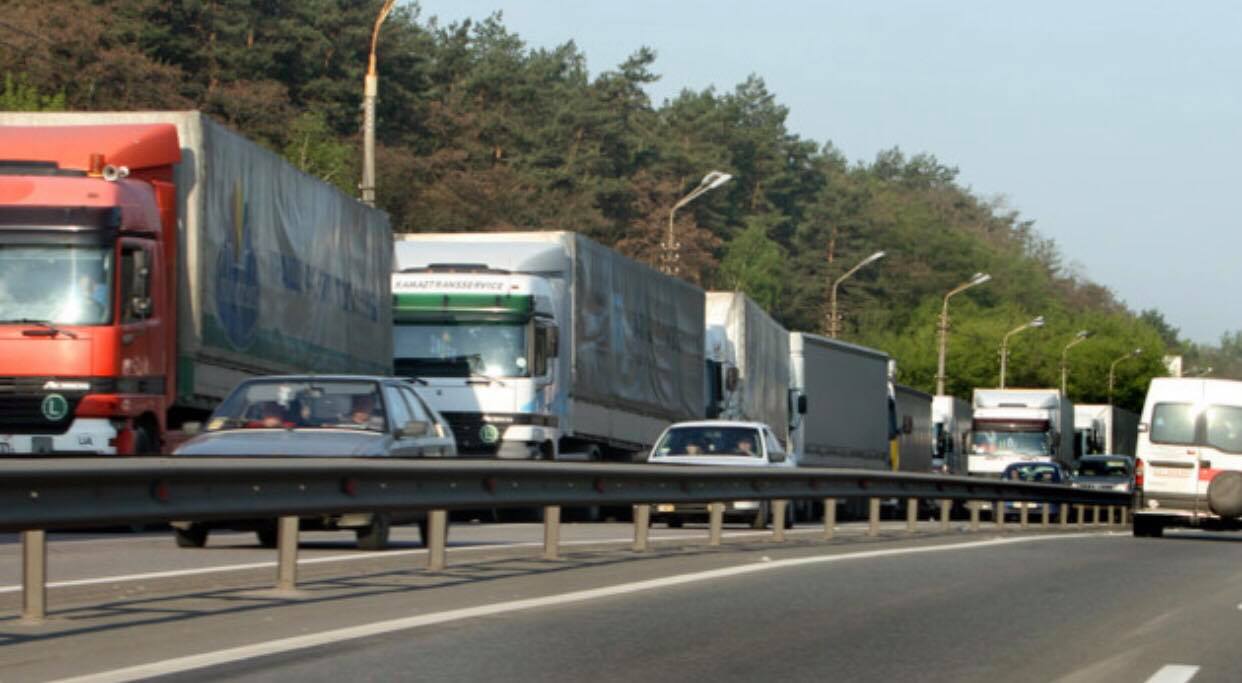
{"points": [[21, 407], [466, 431]]}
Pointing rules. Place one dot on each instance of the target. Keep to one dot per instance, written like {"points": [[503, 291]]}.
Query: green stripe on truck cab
{"points": [[423, 306]]}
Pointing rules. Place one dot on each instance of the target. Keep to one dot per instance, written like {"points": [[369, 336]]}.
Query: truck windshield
{"points": [[65, 284], [1020, 443], [710, 441], [289, 404], [460, 349]]}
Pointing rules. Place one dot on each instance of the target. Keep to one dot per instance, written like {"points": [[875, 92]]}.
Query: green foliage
{"points": [[478, 131], [18, 95]]}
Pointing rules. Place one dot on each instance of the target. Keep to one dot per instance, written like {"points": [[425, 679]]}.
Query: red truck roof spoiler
{"points": [[136, 146]]}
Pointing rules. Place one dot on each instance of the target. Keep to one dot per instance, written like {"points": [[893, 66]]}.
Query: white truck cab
{"points": [[1189, 432]]}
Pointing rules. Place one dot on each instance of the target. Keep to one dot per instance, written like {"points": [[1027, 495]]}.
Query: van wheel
{"points": [[374, 536], [1148, 527], [193, 537]]}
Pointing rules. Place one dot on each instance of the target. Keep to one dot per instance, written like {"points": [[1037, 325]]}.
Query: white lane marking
{"points": [[356, 557], [336, 636], [1174, 673]]}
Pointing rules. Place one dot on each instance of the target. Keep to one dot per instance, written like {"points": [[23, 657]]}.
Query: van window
{"points": [[1173, 423], [1224, 428]]}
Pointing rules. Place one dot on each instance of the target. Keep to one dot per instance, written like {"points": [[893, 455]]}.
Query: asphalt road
{"points": [[1018, 606]]}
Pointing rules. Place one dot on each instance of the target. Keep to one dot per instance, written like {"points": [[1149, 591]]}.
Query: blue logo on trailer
{"points": [[237, 278]]}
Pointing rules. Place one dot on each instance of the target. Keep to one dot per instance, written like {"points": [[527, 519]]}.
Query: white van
{"points": [[1190, 430]]}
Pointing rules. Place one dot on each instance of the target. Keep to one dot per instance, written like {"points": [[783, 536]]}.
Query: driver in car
{"points": [[365, 413]]}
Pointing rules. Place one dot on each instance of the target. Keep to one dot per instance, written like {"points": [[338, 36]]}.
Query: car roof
{"points": [[327, 378], [719, 423], [1035, 463]]}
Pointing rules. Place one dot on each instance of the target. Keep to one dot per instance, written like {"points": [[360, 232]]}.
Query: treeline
{"points": [[478, 131]]}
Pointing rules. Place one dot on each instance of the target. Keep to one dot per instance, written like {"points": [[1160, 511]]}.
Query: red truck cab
{"points": [[88, 251]]}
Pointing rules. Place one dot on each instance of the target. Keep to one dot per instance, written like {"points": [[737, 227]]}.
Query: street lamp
{"points": [[832, 306], [976, 279], [672, 247], [370, 86], [1038, 321], [1078, 339], [1132, 354]]}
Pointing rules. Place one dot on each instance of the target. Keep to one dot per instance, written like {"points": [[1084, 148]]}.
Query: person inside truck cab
{"points": [[86, 303]]}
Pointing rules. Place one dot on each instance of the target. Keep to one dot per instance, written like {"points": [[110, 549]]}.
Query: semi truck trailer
{"points": [[914, 429], [748, 363], [1103, 428], [151, 260], [547, 344], [1016, 425]]}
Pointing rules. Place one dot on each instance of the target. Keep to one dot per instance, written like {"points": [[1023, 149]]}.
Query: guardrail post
{"points": [[642, 523], [1095, 515], [1063, 514], [778, 520], [287, 553], [1125, 515], [974, 514], [912, 515], [551, 532], [1082, 513], [715, 523], [998, 514], [1024, 516], [946, 511], [830, 518], [1044, 513], [437, 536], [873, 519], [34, 575]]}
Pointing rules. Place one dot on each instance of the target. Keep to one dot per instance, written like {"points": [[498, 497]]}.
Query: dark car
{"points": [[1106, 472], [320, 416], [1041, 472]]}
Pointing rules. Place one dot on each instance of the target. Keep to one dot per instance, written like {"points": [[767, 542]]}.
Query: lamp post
{"points": [[1112, 368], [1078, 339], [832, 305], [976, 279], [1038, 321], [672, 247], [370, 86]]}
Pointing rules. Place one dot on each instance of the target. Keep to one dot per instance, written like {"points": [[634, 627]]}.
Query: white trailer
{"points": [[546, 344], [1103, 428], [849, 421], [748, 363], [1017, 425], [951, 418]]}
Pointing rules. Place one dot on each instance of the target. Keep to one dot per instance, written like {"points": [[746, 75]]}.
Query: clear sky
{"points": [[1115, 125]]}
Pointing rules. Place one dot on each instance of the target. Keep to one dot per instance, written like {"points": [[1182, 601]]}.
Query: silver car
{"points": [[320, 416]]}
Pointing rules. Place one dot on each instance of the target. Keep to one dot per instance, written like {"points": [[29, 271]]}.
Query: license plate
{"points": [[1172, 472], [666, 508]]}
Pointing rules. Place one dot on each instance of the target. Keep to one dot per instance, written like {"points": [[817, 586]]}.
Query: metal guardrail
{"points": [[41, 494]]}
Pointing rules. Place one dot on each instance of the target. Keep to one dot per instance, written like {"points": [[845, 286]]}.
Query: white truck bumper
{"points": [[87, 435]]}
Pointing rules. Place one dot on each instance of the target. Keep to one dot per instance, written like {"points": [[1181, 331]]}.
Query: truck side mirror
{"points": [[1142, 428], [731, 378]]}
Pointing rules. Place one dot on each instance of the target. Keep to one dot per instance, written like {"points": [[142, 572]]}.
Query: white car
{"points": [[719, 442], [1190, 431]]}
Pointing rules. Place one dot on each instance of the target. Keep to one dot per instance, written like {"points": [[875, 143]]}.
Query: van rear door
{"points": [[1171, 463]]}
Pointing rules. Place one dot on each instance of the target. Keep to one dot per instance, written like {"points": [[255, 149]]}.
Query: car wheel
{"points": [[675, 522], [267, 536], [375, 535], [194, 536]]}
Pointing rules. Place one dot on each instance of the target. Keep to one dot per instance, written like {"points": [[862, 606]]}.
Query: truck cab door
{"points": [[142, 351]]}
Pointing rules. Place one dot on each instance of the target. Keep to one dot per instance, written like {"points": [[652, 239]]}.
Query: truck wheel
{"points": [[193, 537], [375, 535], [267, 536], [144, 442]]}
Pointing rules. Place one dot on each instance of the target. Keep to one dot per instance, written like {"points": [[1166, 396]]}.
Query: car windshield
{"points": [[710, 441], [1036, 472], [1021, 443], [65, 284], [301, 404], [460, 349], [1104, 468]]}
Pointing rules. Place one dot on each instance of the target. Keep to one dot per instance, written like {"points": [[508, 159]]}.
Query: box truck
{"points": [[748, 363], [547, 344], [1103, 428], [151, 260], [1016, 425]]}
